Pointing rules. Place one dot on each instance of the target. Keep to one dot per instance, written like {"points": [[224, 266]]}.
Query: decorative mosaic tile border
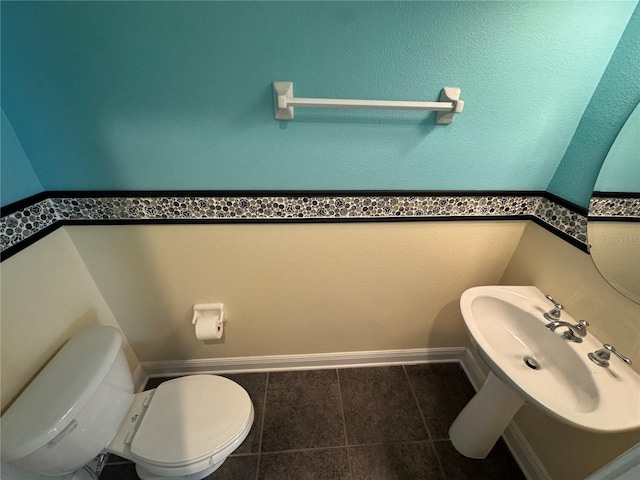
{"points": [[18, 226], [614, 207], [289, 207], [23, 224], [562, 219]]}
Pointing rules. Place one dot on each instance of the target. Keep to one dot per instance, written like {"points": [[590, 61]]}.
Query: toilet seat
{"points": [[188, 425]]}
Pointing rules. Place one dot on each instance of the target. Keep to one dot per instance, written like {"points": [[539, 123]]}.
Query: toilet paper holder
{"points": [[208, 312]]}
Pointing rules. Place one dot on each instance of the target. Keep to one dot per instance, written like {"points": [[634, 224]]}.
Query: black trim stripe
{"points": [[291, 193], [613, 219], [617, 194], [302, 220], [559, 233]]}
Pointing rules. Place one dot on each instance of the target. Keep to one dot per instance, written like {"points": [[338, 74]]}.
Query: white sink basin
{"points": [[507, 326]]}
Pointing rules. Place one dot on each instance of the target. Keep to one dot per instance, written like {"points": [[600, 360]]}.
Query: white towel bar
{"points": [[447, 107]]}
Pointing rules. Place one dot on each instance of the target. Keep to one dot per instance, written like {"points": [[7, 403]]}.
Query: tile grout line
{"points": [[415, 399], [264, 414], [424, 421], [302, 450], [344, 423], [337, 447], [435, 452]]}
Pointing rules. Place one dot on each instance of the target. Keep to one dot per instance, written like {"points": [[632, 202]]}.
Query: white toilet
{"points": [[83, 403]]}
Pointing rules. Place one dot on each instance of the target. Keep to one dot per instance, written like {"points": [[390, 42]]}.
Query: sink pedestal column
{"points": [[479, 425]]}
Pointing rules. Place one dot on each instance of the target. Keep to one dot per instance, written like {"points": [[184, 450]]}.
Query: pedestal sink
{"points": [[531, 363]]}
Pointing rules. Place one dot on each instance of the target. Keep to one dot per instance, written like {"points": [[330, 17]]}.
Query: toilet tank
{"points": [[73, 408]]}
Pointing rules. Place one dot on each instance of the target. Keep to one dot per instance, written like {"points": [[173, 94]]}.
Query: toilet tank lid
{"points": [[53, 399]]}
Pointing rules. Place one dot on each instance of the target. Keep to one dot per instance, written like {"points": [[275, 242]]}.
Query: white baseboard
{"points": [[470, 366], [140, 378], [520, 449], [314, 361], [624, 467]]}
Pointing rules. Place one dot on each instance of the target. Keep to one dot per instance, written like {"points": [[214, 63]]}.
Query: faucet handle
{"points": [[582, 326], [556, 312], [613, 350], [555, 304]]}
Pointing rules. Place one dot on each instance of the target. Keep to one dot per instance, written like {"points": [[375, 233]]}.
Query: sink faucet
{"points": [[574, 332], [555, 312]]}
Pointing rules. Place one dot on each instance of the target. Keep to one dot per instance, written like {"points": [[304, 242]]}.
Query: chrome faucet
{"points": [[574, 332], [555, 312]]}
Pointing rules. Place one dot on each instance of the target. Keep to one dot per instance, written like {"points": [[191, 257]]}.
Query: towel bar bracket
{"points": [[283, 92], [449, 94]]}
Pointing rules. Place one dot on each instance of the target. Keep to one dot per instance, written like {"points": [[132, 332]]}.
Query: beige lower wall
{"points": [[47, 295], [569, 275], [615, 248], [303, 289], [294, 289]]}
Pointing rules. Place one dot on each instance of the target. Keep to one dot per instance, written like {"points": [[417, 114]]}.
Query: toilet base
{"points": [[147, 475]]}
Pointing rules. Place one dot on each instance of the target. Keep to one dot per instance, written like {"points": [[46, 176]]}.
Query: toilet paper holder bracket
{"points": [[206, 311]]}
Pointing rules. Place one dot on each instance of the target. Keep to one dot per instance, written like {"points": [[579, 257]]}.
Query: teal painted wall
{"points": [[616, 96], [161, 95], [17, 178], [620, 171]]}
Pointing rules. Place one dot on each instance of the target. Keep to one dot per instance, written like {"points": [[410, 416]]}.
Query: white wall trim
{"points": [[470, 366], [521, 449], [313, 361], [140, 378], [624, 467]]}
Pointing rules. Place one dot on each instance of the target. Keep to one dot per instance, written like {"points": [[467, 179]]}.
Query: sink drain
{"points": [[531, 363]]}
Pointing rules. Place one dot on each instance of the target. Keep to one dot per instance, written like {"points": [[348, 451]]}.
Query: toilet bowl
{"points": [[82, 403]]}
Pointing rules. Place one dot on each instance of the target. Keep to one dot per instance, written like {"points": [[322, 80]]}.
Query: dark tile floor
{"points": [[376, 423]]}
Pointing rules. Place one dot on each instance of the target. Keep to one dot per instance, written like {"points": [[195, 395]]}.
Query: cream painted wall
{"points": [[293, 289], [557, 268], [47, 295], [304, 289]]}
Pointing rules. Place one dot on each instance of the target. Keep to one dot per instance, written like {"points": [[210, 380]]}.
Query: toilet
{"points": [[82, 403]]}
